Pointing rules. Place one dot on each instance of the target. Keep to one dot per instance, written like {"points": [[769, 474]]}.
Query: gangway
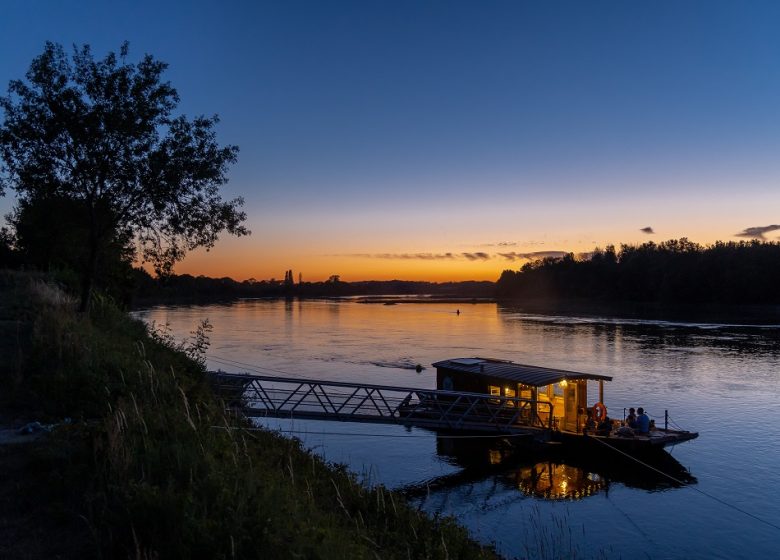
{"points": [[289, 397]]}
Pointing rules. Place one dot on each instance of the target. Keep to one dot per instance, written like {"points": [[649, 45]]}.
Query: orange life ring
{"points": [[599, 411]]}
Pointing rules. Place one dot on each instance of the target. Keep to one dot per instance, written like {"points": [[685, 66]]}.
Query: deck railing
{"points": [[358, 402]]}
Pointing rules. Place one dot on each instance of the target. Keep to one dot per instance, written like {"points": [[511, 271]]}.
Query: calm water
{"points": [[719, 380]]}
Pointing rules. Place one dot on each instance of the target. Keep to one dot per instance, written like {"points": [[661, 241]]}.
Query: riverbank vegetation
{"points": [[185, 287], [675, 271], [152, 466]]}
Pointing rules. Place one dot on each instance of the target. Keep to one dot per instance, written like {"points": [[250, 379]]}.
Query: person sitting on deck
{"points": [[631, 418], [642, 422], [590, 425], [605, 427]]}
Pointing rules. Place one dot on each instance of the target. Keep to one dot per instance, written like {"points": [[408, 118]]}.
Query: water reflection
{"points": [[748, 336], [546, 471], [556, 481]]}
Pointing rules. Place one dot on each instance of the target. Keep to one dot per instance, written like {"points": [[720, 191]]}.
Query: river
{"points": [[720, 380]]}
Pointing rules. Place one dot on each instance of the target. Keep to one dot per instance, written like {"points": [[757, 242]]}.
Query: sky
{"points": [[446, 140]]}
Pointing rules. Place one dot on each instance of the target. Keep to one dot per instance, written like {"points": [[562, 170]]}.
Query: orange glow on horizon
{"points": [[242, 259], [349, 269]]}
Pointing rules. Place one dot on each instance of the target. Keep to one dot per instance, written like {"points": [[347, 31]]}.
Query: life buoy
{"points": [[599, 411]]}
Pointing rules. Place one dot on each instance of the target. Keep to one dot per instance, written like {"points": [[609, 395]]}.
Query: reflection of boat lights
{"points": [[553, 481]]}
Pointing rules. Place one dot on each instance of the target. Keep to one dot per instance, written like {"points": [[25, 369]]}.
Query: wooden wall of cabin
{"points": [[461, 381], [582, 403], [475, 383]]}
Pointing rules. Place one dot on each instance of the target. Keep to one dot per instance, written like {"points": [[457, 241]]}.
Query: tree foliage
{"points": [[98, 140], [675, 271]]}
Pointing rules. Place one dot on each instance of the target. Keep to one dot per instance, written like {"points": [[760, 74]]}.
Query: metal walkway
{"points": [[285, 397]]}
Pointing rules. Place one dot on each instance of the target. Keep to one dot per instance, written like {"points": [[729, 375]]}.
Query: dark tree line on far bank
{"points": [[675, 271], [188, 288]]}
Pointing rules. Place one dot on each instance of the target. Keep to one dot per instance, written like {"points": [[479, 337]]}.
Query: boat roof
{"points": [[521, 373]]}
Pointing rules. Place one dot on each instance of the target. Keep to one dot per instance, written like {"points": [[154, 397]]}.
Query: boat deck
{"points": [[656, 439]]}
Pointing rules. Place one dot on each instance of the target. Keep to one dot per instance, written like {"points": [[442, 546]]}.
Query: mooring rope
{"points": [[494, 436], [233, 363], [681, 483], [639, 529]]}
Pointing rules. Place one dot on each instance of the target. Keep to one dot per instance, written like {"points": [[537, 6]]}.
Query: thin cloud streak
{"points": [[757, 232], [478, 256], [537, 255], [404, 256]]}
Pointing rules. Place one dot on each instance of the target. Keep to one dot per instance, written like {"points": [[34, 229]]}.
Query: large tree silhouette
{"points": [[101, 135]]}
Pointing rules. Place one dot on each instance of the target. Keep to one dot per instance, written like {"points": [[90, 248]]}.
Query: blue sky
{"points": [[404, 128]]}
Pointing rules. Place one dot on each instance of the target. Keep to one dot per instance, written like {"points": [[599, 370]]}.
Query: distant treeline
{"points": [[185, 287], [675, 271]]}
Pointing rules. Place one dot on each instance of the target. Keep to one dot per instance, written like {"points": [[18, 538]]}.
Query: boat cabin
{"points": [[558, 398]]}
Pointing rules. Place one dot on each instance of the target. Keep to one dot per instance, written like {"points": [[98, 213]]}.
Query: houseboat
{"points": [[553, 404]]}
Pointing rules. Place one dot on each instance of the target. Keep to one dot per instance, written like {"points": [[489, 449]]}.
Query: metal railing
{"points": [[334, 400]]}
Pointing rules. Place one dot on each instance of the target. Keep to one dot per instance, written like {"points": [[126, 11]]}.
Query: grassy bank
{"points": [[152, 467]]}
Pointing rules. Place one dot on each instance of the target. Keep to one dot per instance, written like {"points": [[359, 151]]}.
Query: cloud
{"points": [[471, 257], [536, 255], [648, 230], [757, 232], [499, 244], [408, 256], [477, 256]]}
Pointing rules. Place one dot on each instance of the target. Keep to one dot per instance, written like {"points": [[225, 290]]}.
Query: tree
{"points": [[101, 136], [51, 235], [9, 257]]}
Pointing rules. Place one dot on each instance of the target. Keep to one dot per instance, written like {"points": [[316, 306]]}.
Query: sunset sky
{"points": [[443, 140]]}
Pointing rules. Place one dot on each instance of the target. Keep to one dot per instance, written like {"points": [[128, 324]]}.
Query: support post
{"points": [[601, 390]]}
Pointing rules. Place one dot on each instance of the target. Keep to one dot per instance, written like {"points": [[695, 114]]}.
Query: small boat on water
{"points": [[552, 403]]}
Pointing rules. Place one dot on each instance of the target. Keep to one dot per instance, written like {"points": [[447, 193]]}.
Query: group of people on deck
{"points": [[638, 421]]}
